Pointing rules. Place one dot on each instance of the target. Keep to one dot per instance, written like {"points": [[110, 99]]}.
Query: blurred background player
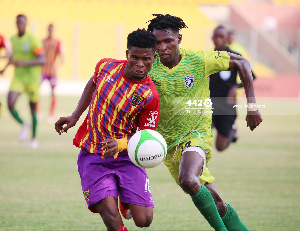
{"points": [[181, 75], [121, 98], [240, 49], [235, 46], [223, 89], [52, 49], [4, 45], [27, 57]]}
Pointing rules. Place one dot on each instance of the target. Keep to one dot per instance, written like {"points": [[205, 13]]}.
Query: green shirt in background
{"points": [[26, 48]]}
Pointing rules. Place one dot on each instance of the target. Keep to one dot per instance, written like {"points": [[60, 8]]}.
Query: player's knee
{"points": [[144, 220], [10, 106], [221, 146], [188, 183]]}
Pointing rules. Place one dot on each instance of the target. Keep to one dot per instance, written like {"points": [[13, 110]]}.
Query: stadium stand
{"points": [[92, 29]]}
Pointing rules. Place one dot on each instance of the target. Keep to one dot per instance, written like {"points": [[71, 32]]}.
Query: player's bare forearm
{"points": [[242, 65], [85, 98], [253, 117], [39, 61], [3, 70], [83, 103]]}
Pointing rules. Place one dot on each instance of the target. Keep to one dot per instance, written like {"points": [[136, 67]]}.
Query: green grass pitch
{"points": [[259, 176]]}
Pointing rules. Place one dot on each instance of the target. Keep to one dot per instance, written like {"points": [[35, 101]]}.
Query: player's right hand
{"points": [[253, 119], [70, 121]]}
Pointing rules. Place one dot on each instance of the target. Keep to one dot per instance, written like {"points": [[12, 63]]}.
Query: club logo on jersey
{"points": [[26, 47], [136, 99], [87, 195], [151, 120], [189, 81]]}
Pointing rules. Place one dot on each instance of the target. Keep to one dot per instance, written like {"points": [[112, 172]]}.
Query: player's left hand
{"points": [[253, 119], [110, 148]]}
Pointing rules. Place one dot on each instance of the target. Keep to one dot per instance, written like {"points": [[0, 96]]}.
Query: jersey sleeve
{"points": [[97, 70], [37, 46], [215, 61], [149, 116]]}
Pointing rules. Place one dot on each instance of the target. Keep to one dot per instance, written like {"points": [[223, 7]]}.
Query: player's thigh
{"points": [[174, 156], [192, 163], [16, 88], [12, 98], [108, 205], [98, 180], [53, 81], [32, 90], [133, 183]]}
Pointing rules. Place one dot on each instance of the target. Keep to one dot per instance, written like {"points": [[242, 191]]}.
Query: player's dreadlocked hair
{"points": [[162, 22], [141, 38]]}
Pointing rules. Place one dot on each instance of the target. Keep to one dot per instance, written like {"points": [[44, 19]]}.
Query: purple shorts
{"points": [[52, 80], [101, 178]]}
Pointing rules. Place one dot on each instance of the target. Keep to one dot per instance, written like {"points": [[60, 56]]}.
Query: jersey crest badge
{"points": [[87, 195], [189, 81], [136, 99]]}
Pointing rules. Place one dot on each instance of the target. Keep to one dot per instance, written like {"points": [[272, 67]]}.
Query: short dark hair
{"points": [[221, 27], [141, 38], [162, 22], [21, 15]]}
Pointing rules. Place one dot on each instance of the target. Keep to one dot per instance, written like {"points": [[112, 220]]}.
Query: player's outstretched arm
{"points": [[8, 63], [238, 62], [40, 60], [82, 105]]}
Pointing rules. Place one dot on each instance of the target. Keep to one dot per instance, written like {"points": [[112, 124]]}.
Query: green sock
{"points": [[34, 124], [232, 220], [205, 203], [16, 116]]}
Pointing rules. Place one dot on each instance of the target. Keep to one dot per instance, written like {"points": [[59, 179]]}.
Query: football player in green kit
{"points": [[181, 79], [27, 57]]}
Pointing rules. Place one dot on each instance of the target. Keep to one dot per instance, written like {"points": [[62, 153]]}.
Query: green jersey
{"points": [[26, 48], [185, 106]]}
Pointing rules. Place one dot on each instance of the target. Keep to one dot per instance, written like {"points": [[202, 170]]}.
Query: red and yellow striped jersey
{"points": [[52, 49], [118, 107]]}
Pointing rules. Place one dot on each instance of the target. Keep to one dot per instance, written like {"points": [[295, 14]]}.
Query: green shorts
{"points": [[173, 167], [31, 89]]}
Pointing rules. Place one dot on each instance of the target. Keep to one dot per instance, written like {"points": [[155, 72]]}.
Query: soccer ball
{"points": [[147, 148]]}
